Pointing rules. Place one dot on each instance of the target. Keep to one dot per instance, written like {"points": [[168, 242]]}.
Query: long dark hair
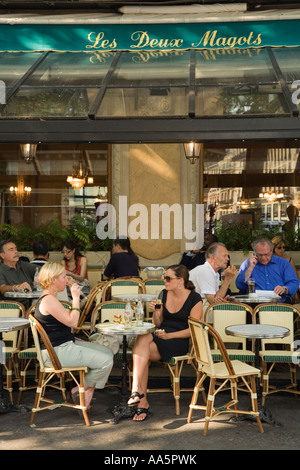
{"points": [[181, 271], [70, 245]]}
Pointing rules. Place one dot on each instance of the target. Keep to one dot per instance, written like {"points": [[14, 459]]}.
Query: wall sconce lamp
{"points": [[192, 151], [28, 152]]}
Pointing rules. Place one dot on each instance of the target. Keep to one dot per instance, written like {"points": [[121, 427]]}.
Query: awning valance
{"points": [[150, 37]]}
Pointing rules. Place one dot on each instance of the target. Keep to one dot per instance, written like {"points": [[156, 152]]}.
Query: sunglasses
{"points": [[169, 278]]}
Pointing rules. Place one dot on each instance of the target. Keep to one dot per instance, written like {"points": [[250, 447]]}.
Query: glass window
{"points": [[13, 65], [152, 68], [144, 102], [49, 102], [72, 69]]}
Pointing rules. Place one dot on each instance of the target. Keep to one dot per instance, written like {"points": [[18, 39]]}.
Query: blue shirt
{"points": [[278, 272]]}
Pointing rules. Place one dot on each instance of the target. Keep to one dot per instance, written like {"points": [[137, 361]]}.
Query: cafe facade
{"points": [[111, 99]]}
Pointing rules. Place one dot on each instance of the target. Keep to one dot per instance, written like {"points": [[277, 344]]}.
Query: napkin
{"points": [[267, 293]]}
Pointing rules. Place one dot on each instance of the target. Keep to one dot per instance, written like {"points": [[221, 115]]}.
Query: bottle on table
{"points": [[139, 314], [128, 316]]}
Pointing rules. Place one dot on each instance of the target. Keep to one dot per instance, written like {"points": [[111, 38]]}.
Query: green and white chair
{"points": [[278, 350]]}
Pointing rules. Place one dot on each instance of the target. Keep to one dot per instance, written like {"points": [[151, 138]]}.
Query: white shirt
{"points": [[206, 281]]}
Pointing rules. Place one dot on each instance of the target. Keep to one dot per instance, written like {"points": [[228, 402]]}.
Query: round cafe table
{"points": [[135, 297], [257, 332], [122, 410], [9, 324], [247, 299], [34, 294]]}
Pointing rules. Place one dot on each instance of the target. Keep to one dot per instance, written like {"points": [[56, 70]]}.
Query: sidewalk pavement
{"points": [[63, 429]]}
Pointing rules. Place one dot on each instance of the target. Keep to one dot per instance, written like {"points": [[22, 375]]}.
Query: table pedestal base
{"points": [[264, 414], [122, 411], [7, 407]]}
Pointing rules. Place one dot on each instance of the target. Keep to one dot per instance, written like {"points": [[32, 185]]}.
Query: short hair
{"points": [[48, 272], [4, 242], [40, 248], [212, 249], [262, 241]]}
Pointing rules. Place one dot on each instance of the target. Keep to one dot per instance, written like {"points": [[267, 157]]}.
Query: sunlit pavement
{"points": [[63, 428]]}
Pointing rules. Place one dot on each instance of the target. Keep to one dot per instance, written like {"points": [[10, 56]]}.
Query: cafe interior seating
{"points": [[28, 356], [46, 374], [225, 371], [13, 341], [278, 350]]}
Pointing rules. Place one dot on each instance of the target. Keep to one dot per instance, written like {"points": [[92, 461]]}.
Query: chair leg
{"points": [[293, 376], [38, 396], [176, 388], [254, 401], [210, 405], [195, 396], [265, 380], [82, 398], [9, 388]]}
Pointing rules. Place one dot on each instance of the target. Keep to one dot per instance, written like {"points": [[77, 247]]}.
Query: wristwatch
{"points": [[286, 291]]}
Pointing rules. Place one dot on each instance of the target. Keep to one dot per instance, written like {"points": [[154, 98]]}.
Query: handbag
{"points": [[110, 341]]}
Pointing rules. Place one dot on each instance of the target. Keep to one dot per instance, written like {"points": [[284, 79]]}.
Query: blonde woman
{"points": [[58, 323], [279, 250]]}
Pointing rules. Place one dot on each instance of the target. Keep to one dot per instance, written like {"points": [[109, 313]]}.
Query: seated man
{"points": [[194, 258], [270, 272], [40, 252], [15, 275], [206, 277]]}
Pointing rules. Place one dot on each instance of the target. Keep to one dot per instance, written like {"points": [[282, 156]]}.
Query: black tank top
{"points": [[58, 332]]}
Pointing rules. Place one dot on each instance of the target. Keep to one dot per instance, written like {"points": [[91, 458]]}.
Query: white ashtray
{"points": [[253, 296]]}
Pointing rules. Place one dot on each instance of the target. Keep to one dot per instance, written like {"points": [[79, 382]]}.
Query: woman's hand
{"points": [[161, 334], [75, 291]]}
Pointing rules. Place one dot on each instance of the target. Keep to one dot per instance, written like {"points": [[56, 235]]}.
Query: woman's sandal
{"points": [[140, 411], [135, 395]]}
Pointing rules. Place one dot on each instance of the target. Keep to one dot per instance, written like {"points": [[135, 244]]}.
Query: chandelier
{"points": [[21, 192], [79, 177], [271, 196], [245, 203]]}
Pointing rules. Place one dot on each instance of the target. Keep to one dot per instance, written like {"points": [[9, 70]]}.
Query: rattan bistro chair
{"points": [[225, 314], [28, 357], [123, 285], [13, 341], [282, 349], [226, 371], [47, 373], [94, 297]]}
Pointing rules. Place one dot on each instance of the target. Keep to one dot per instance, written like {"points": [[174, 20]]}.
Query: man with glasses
{"points": [[269, 272], [206, 277]]}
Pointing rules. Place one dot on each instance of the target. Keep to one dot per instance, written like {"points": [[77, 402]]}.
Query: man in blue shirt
{"points": [[270, 272]]}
